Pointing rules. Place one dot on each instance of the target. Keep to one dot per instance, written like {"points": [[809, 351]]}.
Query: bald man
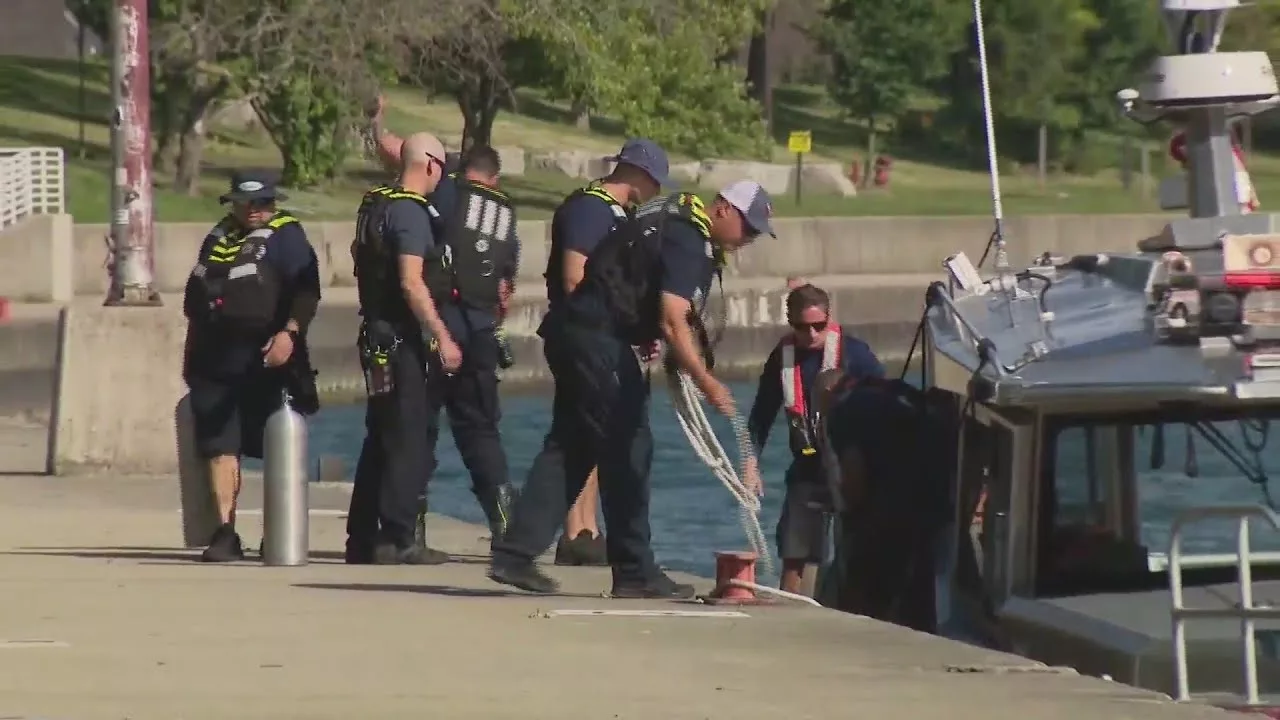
{"points": [[393, 241]]}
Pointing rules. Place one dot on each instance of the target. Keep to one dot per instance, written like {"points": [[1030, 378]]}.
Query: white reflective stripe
{"points": [[475, 211], [245, 270], [618, 211], [502, 232], [788, 376], [831, 349], [263, 233], [489, 220], [433, 212]]}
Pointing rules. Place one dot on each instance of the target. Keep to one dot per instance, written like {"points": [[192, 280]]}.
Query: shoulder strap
{"points": [[690, 208]]}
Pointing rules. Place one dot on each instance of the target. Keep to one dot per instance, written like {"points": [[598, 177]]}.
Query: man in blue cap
{"points": [[647, 280], [253, 292], [584, 219]]}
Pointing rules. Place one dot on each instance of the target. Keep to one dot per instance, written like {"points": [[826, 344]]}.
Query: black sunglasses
{"points": [[814, 326]]}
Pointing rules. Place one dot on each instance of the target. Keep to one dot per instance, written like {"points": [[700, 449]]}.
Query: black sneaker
{"points": [[224, 546], [389, 554], [521, 573], [582, 551], [657, 587]]}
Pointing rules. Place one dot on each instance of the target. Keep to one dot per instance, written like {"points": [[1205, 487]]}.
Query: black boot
{"points": [[521, 572], [654, 586]]}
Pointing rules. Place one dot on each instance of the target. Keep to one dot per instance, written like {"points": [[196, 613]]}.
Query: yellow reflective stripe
{"points": [[600, 194], [280, 221], [225, 250]]}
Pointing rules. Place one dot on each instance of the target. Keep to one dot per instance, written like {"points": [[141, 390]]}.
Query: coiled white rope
{"points": [[687, 400]]}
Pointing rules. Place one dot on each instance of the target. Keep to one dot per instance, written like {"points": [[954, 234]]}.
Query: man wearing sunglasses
{"points": [[645, 281], [248, 302], [394, 240], [814, 344]]}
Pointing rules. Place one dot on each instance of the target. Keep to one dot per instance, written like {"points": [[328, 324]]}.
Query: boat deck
{"points": [[103, 618]]}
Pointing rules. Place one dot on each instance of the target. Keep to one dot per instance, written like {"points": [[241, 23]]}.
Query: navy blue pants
{"points": [[395, 460], [470, 401], [600, 418]]}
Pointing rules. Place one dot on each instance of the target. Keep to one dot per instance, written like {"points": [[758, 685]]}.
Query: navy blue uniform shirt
{"points": [[291, 254], [856, 360], [579, 224]]}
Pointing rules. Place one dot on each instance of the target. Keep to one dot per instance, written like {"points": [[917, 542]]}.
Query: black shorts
{"points": [[801, 533], [231, 413]]}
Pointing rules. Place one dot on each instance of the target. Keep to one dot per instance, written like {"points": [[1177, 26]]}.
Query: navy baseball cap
{"points": [[648, 156], [752, 201], [250, 185]]}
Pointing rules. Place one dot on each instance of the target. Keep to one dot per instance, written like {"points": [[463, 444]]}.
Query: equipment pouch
{"points": [[378, 348]]}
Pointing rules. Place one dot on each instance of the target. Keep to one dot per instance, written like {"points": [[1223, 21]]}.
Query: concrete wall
{"points": [[33, 264]]}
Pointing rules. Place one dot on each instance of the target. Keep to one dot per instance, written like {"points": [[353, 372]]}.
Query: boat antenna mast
{"points": [[1200, 90], [1004, 282]]}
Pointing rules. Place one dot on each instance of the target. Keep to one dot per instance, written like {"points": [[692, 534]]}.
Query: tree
{"points": [[312, 68], [687, 97], [883, 54]]}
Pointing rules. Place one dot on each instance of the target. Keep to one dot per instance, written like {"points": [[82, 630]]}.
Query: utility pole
{"points": [[132, 222]]}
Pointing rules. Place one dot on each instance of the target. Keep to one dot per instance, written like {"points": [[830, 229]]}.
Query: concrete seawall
{"points": [[119, 373], [47, 259]]}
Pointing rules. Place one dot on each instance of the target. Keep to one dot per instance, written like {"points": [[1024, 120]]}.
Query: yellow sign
{"points": [[800, 142]]}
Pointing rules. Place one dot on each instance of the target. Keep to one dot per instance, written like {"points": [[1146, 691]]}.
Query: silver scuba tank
{"points": [[285, 506]]}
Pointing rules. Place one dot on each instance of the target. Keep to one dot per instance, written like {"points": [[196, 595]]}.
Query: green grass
{"points": [[40, 105]]}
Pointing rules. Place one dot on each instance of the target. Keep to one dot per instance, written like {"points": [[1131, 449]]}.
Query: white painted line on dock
{"points": [[318, 512], [649, 613], [30, 644]]}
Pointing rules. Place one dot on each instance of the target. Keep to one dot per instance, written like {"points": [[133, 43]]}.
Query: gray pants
{"points": [[801, 533]]}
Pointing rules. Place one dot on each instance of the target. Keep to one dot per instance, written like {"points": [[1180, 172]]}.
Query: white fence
{"points": [[31, 183]]}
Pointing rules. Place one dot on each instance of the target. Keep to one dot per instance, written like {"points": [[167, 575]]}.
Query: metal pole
{"points": [[132, 229]]}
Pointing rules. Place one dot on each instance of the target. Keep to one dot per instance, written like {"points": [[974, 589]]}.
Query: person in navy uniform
{"points": [[787, 383], [393, 246], [253, 292], [472, 284], [580, 223], [648, 279]]}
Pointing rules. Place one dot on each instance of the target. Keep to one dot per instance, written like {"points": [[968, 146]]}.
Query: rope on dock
{"points": [[687, 400]]}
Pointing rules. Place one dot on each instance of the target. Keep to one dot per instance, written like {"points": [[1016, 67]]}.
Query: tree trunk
{"points": [[187, 179], [1042, 155], [759, 70], [172, 95], [581, 114], [479, 105], [869, 169], [191, 151]]}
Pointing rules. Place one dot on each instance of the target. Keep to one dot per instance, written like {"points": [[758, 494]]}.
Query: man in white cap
{"points": [[647, 280]]}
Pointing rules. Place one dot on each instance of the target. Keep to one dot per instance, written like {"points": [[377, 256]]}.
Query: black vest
{"points": [[625, 271], [555, 257], [377, 266], [233, 287], [478, 244]]}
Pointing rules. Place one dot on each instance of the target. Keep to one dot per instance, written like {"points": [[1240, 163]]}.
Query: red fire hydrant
{"points": [[883, 169]]}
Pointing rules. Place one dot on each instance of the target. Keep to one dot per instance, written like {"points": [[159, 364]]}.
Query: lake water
{"points": [[693, 515]]}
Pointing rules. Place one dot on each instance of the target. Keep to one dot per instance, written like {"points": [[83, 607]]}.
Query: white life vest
{"points": [[793, 386]]}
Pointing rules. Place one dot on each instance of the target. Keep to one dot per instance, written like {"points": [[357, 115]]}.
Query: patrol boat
{"points": [[1094, 352]]}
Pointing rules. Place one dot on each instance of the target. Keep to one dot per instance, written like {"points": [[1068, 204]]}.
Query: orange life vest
{"points": [[793, 387]]}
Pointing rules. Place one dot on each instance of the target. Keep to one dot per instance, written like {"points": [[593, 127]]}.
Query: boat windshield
{"points": [[1110, 493]]}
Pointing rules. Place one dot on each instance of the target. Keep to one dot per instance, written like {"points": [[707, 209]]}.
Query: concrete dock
{"points": [[105, 619]]}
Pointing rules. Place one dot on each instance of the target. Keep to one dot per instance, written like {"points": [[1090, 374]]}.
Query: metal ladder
{"points": [[1245, 612]]}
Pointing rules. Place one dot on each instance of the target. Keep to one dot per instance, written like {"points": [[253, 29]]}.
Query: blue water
{"points": [[693, 515]]}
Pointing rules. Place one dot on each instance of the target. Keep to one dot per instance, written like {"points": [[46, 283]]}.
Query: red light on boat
{"points": [[1252, 280]]}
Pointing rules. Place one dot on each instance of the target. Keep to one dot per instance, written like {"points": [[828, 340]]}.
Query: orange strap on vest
{"points": [[792, 384]]}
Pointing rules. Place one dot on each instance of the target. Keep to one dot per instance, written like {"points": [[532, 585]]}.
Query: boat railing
{"points": [[1245, 611]]}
